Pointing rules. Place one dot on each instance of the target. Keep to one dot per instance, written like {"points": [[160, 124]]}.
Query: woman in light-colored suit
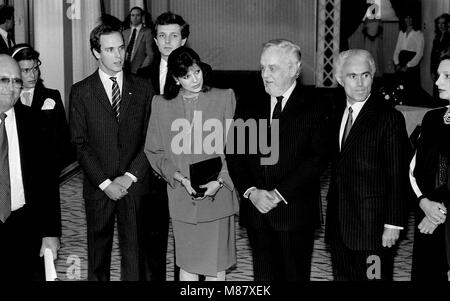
{"points": [[203, 227]]}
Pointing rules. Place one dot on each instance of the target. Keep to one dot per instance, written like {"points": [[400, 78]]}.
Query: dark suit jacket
{"points": [[40, 184], [151, 72], [296, 175], [54, 125], [105, 147], [142, 54], [369, 180], [3, 46]]}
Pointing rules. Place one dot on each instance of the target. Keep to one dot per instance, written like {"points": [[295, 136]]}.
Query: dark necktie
{"points": [[130, 46], [115, 97], [277, 110], [5, 186], [348, 126]]}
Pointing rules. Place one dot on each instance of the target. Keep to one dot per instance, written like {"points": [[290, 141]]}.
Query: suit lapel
{"points": [[138, 41], [365, 119], [127, 94], [38, 98], [291, 109], [100, 94]]}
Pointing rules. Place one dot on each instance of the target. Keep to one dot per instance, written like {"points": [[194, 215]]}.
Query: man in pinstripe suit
{"points": [[367, 203], [280, 202], [109, 113]]}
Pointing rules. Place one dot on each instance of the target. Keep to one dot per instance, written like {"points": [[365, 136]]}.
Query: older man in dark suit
{"points": [[30, 216], [367, 200], [138, 42], [109, 113], [280, 199]]}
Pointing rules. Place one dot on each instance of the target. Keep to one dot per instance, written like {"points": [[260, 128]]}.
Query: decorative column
{"points": [[328, 32]]}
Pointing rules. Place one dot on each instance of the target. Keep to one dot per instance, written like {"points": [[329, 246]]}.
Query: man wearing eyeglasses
{"points": [[30, 218]]}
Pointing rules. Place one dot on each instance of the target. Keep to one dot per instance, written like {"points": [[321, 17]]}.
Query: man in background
{"points": [[6, 28], [170, 32], [138, 42]]}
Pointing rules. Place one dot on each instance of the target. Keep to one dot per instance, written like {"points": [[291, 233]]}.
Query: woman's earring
{"points": [[178, 83]]}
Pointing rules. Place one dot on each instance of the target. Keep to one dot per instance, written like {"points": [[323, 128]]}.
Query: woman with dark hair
{"points": [[181, 125], [408, 54], [46, 105], [430, 180], [441, 42]]}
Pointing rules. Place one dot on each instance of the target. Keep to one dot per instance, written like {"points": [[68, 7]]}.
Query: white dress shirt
{"points": [[414, 41], [162, 75], [107, 84], [273, 103], [22, 97], [15, 167], [4, 35]]}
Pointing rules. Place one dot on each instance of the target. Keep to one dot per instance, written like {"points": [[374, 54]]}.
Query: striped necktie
{"points": [[5, 185], [115, 97]]}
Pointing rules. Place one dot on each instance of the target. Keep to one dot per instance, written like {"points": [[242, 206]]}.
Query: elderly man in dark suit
{"points": [[280, 199], [109, 113], [138, 42], [30, 216], [367, 199]]}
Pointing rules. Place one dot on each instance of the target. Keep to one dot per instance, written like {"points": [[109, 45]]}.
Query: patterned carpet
{"points": [[72, 262]]}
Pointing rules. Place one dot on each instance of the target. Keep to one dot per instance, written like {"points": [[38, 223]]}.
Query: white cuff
{"points": [[133, 178], [247, 192], [280, 196], [105, 184], [393, 227]]}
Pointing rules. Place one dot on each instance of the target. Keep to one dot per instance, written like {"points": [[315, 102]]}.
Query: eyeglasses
{"points": [[6, 81], [27, 71]]}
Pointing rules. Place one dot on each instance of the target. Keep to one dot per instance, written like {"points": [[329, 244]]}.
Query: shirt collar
{"points": [[4, 34], [286, 94], [139, 27], [106, 78], [357, 106]]}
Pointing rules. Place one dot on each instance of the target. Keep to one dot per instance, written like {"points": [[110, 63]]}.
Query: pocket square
{"points": [[49, 104]]}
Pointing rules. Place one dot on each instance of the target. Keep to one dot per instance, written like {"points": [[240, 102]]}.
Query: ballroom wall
{"points": [[228, 34]]}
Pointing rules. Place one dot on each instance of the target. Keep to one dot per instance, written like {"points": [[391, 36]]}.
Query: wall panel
{"points": [[228, 34]]}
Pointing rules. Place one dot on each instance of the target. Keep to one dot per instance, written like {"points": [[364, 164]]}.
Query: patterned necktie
{"points": [[130, 46], [115, 97], [348, 126], [277, 110], [5, 186]]}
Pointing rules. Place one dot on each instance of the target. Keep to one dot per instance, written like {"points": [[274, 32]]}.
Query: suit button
{"points": [[194, 203]]}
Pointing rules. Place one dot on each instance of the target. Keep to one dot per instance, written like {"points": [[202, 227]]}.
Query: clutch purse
{"points": [[203, 172], [405, 56]]}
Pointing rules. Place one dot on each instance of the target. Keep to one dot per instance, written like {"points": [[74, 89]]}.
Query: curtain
{"points": [[118, 9], [352, 13], [84, 62]]}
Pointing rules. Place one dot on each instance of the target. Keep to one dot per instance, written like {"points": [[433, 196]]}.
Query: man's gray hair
{"points": [[291, 49], [345, 55]]}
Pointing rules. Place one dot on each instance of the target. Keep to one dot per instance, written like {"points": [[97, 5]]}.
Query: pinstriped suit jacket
{"points": [[107, 148], [303, 157], [369, 180]]}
